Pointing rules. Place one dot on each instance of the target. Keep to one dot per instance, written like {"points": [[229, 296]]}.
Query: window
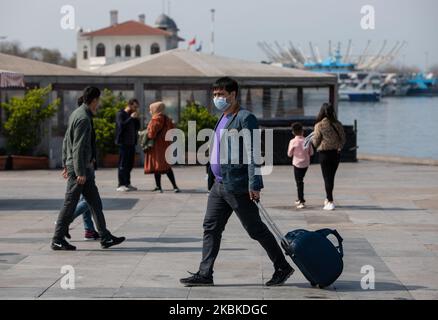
{"points": [[118, 51], [155, 48], [170, 99], [85, 53], [314, 98], [137, 50], [198, 96], [100, 50], [127, 50]]}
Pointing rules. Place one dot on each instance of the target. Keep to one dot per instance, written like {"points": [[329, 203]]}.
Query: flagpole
{"points": [[212, 30]]}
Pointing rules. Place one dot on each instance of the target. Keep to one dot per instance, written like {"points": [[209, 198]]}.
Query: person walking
{"points": [[127, 126], [328, 139], [155, 156], [235, 188], [79, 158], [84, 209], [300, 160]]}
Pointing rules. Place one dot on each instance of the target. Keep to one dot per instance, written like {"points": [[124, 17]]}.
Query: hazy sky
{"points": [[240, 23]]}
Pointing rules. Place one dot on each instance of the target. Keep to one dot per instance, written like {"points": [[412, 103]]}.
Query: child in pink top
{"points": [[300, 160]]}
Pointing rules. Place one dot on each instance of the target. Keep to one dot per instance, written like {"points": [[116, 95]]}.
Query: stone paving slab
{"points": [[387, 214]]}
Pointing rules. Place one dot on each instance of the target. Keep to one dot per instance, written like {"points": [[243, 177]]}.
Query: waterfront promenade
{"points": [[387, 214]]}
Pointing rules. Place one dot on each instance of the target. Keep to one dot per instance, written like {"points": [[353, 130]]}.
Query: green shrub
{"points": [[25, 117], [105, 122], [200, 114]]}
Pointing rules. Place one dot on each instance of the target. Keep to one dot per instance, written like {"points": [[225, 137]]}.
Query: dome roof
{"points": [[165, 22]]}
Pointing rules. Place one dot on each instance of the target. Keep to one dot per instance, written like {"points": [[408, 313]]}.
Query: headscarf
{"points": [[157, 107]]}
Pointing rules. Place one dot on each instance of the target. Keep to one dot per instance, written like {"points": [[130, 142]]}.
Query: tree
{"points": [[72, 61], [38, 53], [12, 47], [25, 117], [46, 55]]}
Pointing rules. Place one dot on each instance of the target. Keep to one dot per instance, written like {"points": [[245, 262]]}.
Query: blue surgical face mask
{"points": [[221, 103]]}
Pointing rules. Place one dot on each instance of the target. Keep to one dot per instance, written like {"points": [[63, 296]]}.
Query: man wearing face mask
{"points": [[235, 188]]}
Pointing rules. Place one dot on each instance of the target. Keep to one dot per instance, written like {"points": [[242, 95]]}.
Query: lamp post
{"points": [[212, 30]]}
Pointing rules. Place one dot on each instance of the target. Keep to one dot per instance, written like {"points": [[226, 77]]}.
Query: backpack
{"points": [[144, 141], [147, 143]]}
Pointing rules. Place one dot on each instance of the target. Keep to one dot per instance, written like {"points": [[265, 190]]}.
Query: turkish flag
{"points": [[192, 42]]}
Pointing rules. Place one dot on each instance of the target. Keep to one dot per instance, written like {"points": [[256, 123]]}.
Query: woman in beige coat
{"points": [[328, 139]]}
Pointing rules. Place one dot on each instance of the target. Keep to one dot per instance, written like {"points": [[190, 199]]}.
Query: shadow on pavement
{"points": [[347, 207], [164, 240], [55, 204], [156, 249], [194, 191], [354, 286], [378, 208], [161, 249], [287, 285], [167, 191]]}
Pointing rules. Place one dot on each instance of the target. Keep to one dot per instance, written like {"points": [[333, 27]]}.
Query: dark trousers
{"points": [[299, 174], [126, 163], [219, 208], [329, 161], [169, 174], [91, 195]]}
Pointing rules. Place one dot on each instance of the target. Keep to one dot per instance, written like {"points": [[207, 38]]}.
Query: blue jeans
{"points": [[83, 209]]}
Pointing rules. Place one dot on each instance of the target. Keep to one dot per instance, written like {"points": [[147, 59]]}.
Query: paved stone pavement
{"points": [[387, 214]]}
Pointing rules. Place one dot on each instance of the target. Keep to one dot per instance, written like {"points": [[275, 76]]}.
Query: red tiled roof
{"points": [[129, 28]]}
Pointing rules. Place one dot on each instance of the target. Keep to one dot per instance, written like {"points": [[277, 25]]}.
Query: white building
{"points": [[124, 41]]}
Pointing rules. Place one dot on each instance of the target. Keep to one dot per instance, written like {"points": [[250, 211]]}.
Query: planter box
{"points": [[112, 161], [29, 163], [3, 160]]}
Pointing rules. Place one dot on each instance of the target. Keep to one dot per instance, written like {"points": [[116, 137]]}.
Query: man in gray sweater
{"points": [[79, 157]]}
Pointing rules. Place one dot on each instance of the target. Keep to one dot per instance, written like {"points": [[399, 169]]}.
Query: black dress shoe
{"points": [[111, 241], [62, 245], [197, 280], [280, 276]]}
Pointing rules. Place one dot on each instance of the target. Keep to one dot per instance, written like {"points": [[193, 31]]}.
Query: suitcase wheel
{"points": [[313, 284]]}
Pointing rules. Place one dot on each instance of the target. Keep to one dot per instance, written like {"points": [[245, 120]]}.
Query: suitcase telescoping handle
{"points": [[327, 232], [273, 227]]}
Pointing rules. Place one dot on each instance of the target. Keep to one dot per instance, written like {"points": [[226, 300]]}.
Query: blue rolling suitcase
{"points": [[311, 251]]}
